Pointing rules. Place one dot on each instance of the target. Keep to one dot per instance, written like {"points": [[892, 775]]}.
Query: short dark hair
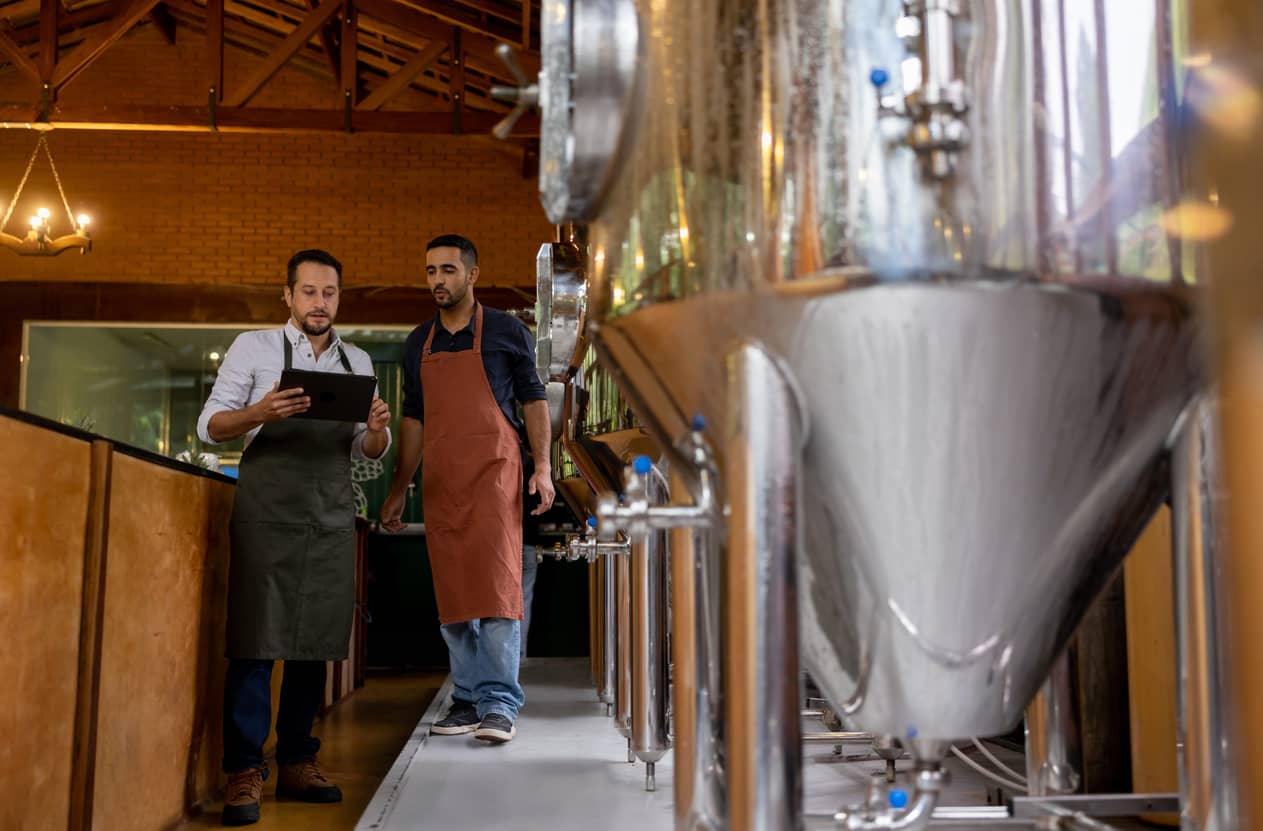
{"points": [[311, 255], [468, 254]]}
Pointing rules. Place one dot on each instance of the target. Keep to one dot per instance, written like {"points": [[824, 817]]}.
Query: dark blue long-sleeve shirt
{"points": [[508, 356]]}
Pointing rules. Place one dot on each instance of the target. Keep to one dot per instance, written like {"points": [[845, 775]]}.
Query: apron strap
{"points": [[289, 354], [429, 339], [478, 330]]}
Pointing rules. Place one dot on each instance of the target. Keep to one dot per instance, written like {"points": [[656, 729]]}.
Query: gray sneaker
{"points": [[461, 718], [495, 728]]}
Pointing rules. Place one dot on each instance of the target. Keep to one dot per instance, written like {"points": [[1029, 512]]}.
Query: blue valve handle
{"points": [[591, 522], [642, 465], [699, 423], [898, 798], [878, 77]]}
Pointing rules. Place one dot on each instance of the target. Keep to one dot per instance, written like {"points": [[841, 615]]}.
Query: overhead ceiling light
{"points": [[39, 239]]}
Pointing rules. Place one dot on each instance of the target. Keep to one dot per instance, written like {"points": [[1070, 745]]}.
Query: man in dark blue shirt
{"points": [[463, 374]]}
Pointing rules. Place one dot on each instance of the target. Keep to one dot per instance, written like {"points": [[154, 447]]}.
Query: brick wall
{"points": [[230, 208]]}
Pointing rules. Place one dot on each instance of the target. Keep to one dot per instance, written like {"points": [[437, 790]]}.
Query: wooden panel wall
{"points": [[1151, 661], [161, 669], [44, 486]]}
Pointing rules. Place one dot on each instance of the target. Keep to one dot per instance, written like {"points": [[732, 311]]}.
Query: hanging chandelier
{"points": [[39, 239]]}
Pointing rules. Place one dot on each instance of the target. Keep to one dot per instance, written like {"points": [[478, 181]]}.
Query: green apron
{"points": [[291, 584]]}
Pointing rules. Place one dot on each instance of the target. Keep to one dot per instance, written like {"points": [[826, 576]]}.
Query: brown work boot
{"points": [[241, 802], [305, 782]]}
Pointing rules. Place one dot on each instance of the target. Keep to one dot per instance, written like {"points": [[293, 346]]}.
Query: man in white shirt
{"points": [[291, 586]]}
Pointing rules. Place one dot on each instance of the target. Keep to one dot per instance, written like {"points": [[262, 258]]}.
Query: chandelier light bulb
{"points": [[44, 213], [84, 219], [37, 221]]}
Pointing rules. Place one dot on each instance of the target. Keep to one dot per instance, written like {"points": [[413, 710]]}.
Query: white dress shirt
{"points": [[254, 363]]}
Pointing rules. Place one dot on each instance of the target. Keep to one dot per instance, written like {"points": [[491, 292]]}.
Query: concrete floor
{"points": [[567, 769]]}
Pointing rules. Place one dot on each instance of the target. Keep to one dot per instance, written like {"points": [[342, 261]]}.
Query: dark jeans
{"points": [[248, 712]]}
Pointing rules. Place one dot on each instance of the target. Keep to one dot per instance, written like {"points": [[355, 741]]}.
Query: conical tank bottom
{"points": [[980, 457]]}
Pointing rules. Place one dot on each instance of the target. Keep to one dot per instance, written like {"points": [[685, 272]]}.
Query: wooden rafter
{"points": [[92, 48], [165, 23], [215, 49], [410, 19], [526, 24], [296, 41], [17, 56], [329, 40], [467, 19], [507, 12], [403, 78], [47, 41], [349, 64], [456, 80]]}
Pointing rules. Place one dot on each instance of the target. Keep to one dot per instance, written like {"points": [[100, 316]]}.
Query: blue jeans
{"points": [[484, 658], [248, 712], [528, 592]]}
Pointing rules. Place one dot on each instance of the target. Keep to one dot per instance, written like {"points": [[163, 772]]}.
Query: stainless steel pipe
{"points": [[649, 660], [622, 651], [1208, 781], [763, 444], [697, 644]]}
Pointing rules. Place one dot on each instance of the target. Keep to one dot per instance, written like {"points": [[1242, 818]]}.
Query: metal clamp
{"points": [[638, 517]]}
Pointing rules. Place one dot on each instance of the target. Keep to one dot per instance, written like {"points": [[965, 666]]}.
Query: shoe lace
{"points": [[311, 773], [245, 785]]}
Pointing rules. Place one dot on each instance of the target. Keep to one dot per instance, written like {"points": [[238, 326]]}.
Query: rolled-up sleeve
{"points": [[413, 395], [232, 386], [526, 383]]}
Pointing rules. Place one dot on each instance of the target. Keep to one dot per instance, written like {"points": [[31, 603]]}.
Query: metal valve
{"points": [[937, 131], [638, 517], [523, 96]]}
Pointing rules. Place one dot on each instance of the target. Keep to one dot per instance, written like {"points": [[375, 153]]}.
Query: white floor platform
{"points": [[567, 769]]}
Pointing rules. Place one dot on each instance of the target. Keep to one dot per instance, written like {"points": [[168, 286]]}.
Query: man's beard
{"points": [[316, 329], [453, 298]]}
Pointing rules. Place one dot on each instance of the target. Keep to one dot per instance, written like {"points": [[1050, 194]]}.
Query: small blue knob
{"points": [[699, 422], [879, 77], [912, 731], [642, 465], [898, 799], [591, 522]]}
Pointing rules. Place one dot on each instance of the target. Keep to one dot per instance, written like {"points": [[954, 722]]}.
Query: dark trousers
{"points": [[248, 712]]}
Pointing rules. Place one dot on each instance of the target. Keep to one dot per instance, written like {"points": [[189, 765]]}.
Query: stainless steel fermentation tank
{"points": [[629, 578], [910, 268]]}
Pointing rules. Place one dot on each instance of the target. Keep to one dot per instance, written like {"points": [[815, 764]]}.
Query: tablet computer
{"points": [[335, 396]]}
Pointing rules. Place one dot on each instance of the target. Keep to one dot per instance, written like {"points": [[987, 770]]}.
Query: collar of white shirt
{"points": [[297, 336]]}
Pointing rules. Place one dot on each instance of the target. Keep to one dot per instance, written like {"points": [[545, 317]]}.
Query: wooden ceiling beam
{"points": [[349, 63], [507, 12], [288, 48], [469, 20], [431, 28], [329, 39], [18, 57], [259, 119], [92, 48], [95, 47], [215, 50], [165, 23], [47, 42], [402, 78]]}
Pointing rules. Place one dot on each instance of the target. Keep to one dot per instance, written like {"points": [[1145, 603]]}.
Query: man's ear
{"points": [[288, 296], [473, 275]]}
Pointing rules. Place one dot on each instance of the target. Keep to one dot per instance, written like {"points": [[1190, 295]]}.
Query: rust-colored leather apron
{"points": [[471, 487]]}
